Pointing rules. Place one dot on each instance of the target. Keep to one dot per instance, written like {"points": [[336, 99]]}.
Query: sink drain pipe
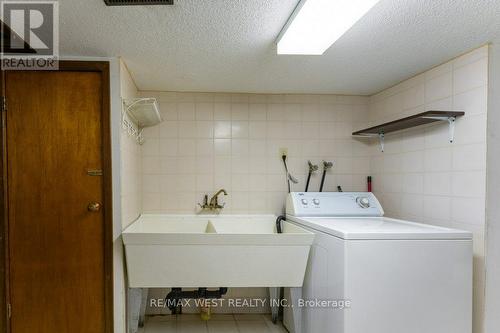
{"points": [[174, 297], [275, 292]]}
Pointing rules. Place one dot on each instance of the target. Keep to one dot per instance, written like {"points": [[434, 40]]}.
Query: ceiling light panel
{"points": [[316, 24]]}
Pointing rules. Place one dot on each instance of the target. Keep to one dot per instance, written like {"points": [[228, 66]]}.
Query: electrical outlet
{"points": [[283, 151]]}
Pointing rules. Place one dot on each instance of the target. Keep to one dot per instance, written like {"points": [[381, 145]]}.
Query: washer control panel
{"points": [[333, 204]]}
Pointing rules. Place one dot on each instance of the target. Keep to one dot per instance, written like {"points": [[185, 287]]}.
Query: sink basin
{"points": [[191, 251]]}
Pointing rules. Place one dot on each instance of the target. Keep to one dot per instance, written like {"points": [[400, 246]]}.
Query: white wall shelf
{"points": [[139, 113]]}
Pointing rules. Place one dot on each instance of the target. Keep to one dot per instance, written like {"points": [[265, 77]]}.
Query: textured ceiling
{"points": [[228, 45]]}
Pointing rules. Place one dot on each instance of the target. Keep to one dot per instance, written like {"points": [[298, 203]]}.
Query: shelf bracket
{"points": [[381, 138], [451, 125]]}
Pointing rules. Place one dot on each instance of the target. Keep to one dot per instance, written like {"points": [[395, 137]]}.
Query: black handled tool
{"points": [[289, 177], [326, 166], [312, 169]]}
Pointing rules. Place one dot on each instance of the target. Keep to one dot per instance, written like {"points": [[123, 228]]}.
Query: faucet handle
{"points": [[205, 204]]}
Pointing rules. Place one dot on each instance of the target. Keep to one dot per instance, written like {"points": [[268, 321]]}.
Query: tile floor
{"points": [[219, 323]]}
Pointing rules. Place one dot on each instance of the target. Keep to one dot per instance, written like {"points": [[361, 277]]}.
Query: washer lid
{"points": [[379, 228]]}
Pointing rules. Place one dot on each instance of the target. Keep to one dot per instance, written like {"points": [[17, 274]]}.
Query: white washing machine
{"points": [[376, 274]]}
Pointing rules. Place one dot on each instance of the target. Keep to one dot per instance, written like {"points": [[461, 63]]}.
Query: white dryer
{"points": [[371, 274]]}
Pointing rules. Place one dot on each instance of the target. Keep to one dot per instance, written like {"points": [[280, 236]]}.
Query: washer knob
{"points": [[316, 202], [304, 201], [363, 202]]}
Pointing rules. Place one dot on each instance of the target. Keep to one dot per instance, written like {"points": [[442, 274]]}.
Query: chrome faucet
{"points": [[214, 203]]}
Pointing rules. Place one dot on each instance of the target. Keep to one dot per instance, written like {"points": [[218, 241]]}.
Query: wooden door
{"points": [[55, 202]]}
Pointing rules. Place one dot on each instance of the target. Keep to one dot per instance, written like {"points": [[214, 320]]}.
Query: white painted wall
{"points": [[118, 255], [421, 176], [131, 186], [492, 318], [131, 159]]}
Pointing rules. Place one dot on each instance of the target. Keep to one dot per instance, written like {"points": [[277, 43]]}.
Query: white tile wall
{"points": [[232, 141], [131, 163], [422, 176]]}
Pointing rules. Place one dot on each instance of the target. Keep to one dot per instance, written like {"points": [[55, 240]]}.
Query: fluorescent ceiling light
{"points": [[316, 24]]}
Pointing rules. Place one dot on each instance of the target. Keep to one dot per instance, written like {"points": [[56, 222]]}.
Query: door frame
{"points": [[101, 67]]}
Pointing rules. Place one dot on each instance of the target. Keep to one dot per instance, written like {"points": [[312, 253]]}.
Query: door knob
{"points": [[94, 206]]}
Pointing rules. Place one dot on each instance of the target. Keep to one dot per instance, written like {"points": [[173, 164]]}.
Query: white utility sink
{"points": [[215, 251]]}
